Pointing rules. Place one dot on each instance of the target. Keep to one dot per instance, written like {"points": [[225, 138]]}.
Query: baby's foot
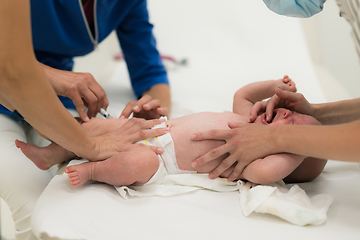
{"points": [[35, 154], [79, 174], [45, 157], [287, 84]]}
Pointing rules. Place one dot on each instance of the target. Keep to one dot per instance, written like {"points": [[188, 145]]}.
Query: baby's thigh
{"points": [[135, 165]]}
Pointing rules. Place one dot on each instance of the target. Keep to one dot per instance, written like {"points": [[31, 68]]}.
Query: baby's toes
{"points": [[74, 182], [292, 87]]}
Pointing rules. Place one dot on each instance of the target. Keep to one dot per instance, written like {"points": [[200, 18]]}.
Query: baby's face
{"points": [[283, 116]]}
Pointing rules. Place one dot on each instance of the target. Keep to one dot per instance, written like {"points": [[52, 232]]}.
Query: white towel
{"points": [[292, 205]]}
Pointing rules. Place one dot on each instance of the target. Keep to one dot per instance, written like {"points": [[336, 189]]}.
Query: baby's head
{"points": [[284, 116]]}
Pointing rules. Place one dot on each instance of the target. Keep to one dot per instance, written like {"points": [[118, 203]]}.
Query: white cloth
{"points": [[291, 205], [350, 10], [21, 182]]}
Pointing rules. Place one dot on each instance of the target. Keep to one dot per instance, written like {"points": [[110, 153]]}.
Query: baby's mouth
{"points": [[271, 120]]}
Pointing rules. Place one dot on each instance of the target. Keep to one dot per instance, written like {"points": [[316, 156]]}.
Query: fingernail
{"points": [[211, 175], [87, 119], [160, 150], [136, 108], [146, 106], [193, 136], [194, 164], [166, 129], [122, 116]]}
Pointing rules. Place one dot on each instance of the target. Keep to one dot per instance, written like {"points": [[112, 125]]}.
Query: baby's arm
{"points": [[133, 166], [247, 96]]}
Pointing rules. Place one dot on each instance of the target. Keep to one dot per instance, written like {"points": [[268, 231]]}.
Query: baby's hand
{"points": [[286, 84]]}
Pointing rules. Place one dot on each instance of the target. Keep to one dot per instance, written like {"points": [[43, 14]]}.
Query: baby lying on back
{"points": [[140, 165]]}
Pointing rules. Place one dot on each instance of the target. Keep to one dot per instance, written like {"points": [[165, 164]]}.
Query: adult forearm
{"points": [[335, 142], [161, 92], [30, 93], [24, 86], [5, 103], [338, 112]]}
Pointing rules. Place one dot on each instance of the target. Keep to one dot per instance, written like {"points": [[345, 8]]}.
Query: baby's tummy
{"points": [[187, 150]]}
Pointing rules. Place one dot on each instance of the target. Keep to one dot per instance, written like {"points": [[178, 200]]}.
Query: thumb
{"points": [[235, 124], [286, 95]]}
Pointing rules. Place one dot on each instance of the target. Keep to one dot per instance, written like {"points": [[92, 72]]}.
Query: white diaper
{"points": [[167, 160]]}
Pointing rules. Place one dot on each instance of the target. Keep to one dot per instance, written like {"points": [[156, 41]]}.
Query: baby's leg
{"points": [[45, 157], [286, 84], [134, 166], [272, 168]]}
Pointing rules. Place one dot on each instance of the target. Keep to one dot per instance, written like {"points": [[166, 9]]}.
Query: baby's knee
{"points": [[147, 167]]}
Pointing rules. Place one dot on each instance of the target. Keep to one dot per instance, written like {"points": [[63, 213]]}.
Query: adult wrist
{"points": [[277, 138], [88, 149], [316, 111]]}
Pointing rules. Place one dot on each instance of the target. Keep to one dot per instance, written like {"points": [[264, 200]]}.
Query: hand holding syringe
{"points": [[104, 113]]}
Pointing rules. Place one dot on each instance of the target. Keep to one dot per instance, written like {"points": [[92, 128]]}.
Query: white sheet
{"points": [[228, 44]]}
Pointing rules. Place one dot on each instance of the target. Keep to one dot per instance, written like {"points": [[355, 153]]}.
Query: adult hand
{"points": [[290, 100], [244, 143], [146, 107], [81, 88], [108, 143]]}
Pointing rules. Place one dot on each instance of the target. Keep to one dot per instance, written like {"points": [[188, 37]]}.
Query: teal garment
{"points": [[295, 8]]}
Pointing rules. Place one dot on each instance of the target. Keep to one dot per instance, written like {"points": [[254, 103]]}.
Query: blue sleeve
{"points": [[139, 48]]}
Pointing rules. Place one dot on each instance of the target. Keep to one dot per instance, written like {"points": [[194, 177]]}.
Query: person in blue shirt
{"points": [[35, 66], [338, 140]]}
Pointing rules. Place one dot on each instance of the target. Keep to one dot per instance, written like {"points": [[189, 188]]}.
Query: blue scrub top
{"points": [[60, 32]]}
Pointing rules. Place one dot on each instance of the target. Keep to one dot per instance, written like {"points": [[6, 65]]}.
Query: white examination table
{"points": [[228, 44]]}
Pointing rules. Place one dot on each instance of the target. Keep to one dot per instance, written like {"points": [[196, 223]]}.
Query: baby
{"points": [[139, 165]]}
